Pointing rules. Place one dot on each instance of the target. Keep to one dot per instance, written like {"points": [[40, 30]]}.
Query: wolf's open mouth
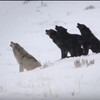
{"points": [[11, 43], [47, 32]]}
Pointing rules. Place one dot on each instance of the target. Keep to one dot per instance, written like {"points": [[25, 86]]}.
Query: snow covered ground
{"points": [[56, 79]]}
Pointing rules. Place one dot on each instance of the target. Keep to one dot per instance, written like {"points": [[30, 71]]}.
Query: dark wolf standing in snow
{"points": [[65, 46], [89, 40], [24, 59], [73, 39]]}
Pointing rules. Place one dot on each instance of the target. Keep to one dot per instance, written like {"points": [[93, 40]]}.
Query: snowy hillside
{"points": [[76, 78]]}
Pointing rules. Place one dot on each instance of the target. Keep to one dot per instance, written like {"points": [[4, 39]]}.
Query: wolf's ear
{"points": [[56, 26], [17, 44], [12, 42]]}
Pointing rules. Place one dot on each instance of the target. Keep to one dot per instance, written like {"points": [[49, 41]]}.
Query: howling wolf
{"points": [[90, 41], [74, 40], [24, 59]]}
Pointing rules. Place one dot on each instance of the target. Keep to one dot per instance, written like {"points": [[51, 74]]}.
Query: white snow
{"points": [[56, 79]]}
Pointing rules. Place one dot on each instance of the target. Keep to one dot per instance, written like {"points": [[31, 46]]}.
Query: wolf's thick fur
{"points": [[24, 59], [64, 45], [73, 40], [90, 40]]}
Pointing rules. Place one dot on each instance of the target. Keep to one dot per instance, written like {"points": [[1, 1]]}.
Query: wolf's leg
{"points": [[21, 69], [72, 52], [86, 49], [79, 51], [63, 54]]}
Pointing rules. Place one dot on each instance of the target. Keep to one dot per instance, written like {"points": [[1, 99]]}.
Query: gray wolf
{"points": [[24, 59]]}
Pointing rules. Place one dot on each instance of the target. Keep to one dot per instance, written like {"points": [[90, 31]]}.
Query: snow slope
{"points": [[56, 79]]}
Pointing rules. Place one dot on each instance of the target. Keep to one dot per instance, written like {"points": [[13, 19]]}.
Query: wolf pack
{"points": [[74, 44]]}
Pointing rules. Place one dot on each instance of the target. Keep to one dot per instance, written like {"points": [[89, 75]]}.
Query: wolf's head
{"points": [[14, 45], [84, 30], [51, 33], [60, 29], [81, 26]]}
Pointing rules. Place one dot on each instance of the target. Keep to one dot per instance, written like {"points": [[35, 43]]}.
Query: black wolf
{"points": [[65, 46], [89, 40], [73, 39]]}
